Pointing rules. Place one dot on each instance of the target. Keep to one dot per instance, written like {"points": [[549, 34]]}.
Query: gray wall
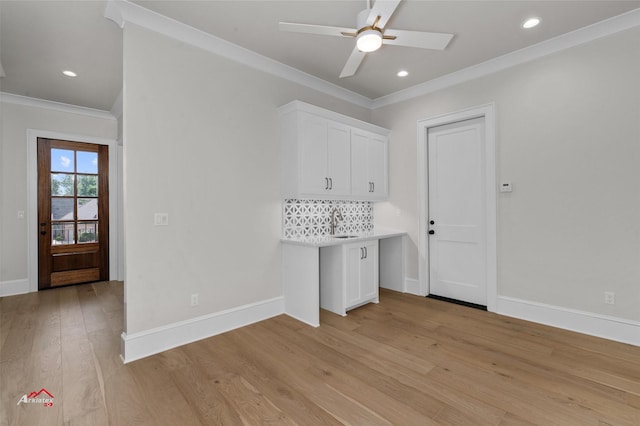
{"points": [[15, 120], [201, 143], [568, 138]]}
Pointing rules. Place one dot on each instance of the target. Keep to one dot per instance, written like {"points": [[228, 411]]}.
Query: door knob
{"points": [[431, 232]]}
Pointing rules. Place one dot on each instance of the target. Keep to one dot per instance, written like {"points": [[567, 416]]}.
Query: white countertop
{"points": [[329, 240]]}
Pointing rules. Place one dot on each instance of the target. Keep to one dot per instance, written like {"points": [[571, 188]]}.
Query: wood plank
{"points": [[382, 394], [83, 397], [338, 406], [407, 360], [160, 394], [264, 373], [411, 371]]}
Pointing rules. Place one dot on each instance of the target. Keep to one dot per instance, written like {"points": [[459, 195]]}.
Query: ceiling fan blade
{"points": [[384, 9], [423, 40], [353, 63], [315, 29]]}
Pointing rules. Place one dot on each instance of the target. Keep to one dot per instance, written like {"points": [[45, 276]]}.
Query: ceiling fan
{"points": [[371, 34]]}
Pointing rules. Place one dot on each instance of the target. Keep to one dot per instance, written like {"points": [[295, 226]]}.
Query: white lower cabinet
{"points": [[348, 276]]}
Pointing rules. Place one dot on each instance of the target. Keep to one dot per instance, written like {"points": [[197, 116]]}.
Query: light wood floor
{"points": [[407, 361]]}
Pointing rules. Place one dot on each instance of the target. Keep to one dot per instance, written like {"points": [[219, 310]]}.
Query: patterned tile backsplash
{"points": [[312, 218]]}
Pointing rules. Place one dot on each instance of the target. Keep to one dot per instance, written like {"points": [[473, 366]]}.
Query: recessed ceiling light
{"points": [[402, 73], [531, 22], [69, 73]]}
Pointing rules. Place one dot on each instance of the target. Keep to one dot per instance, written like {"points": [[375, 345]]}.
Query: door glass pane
{"points": [[87, 162], [62, 209], [62, 184], [62, 160], [63, 233], [87, 232], [87, 208], [87, 186]]}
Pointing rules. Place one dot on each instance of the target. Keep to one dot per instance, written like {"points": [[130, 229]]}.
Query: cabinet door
{"points": [[361, 273], [354, 254], [369, 282], [338, 159], [312, 133], [360, 184], [377, 166], [369, 180]]}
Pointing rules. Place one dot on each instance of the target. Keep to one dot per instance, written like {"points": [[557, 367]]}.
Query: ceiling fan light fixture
{"points": [[369, 40]]}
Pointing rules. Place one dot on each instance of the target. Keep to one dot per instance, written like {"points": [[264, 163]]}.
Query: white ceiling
{"points": [[40, 39]]}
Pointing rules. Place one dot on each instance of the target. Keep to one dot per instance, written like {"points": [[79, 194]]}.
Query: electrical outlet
{"points": [[609, 298], [194, 299]]}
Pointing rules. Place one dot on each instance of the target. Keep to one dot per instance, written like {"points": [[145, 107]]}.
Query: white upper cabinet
{"points": [[369, 165], [318, 149], [324, 157], [313, 154], [338, 159]]}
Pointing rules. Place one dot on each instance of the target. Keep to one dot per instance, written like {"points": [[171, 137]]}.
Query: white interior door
{"points": [[457, 234]]}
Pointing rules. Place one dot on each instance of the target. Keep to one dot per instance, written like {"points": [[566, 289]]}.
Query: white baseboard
{"points": [[145, 343], [11, 288], [612, 328], [412, 286]]}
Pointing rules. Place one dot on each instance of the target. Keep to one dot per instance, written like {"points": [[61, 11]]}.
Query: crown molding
{"points": [[10, 98], [122, 12], [580, 36]]}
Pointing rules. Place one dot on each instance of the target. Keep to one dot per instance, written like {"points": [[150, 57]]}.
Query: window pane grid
{"points": [[74, 197]]}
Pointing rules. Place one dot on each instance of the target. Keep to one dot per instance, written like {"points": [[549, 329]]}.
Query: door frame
{"points": [[487, 111], [32, 199]]}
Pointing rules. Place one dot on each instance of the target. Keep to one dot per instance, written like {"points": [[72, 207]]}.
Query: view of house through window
{"points": [[74, 196]]}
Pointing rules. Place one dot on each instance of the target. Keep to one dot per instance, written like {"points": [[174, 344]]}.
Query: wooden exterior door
{"points": [[73, 213]]}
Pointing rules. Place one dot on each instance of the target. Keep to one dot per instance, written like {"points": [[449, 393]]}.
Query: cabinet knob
{"points": [[432, 222]]}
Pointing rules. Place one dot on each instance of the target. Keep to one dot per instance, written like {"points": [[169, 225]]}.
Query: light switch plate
{"points": [[161, 219]]}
